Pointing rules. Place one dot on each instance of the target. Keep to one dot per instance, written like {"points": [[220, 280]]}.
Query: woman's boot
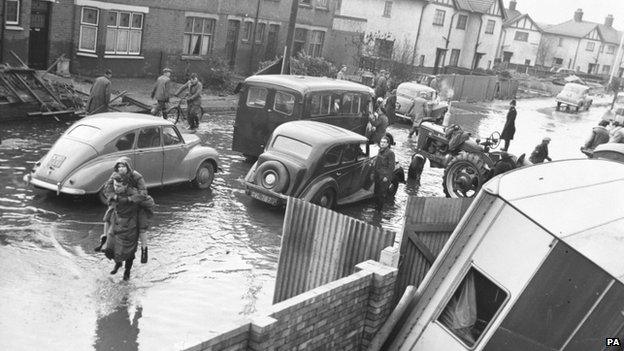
{"points": [[127, 270], [144, 255], [116, 268]]}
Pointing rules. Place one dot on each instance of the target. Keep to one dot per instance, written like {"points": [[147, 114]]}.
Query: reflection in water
{"points": [[116, 331]]}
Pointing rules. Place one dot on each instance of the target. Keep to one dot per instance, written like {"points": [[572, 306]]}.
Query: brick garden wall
{"points": [[342, 315]]}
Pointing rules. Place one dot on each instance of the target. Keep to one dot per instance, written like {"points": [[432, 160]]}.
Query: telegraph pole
{"points": [[618, 61], [253, 39], [290, 37]]}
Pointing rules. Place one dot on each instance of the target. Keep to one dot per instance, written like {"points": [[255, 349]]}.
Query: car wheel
{"points": [[326, 197], [272, 175], [204, 176]]}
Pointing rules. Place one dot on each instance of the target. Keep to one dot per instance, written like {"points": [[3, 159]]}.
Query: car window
{"points": [[84, 132], [332, 157], [171, 136], [347, 103], [292, 146], [125, 142], [149, 137], [256, 97], [320, 105], [284, 103], [350, 153]]}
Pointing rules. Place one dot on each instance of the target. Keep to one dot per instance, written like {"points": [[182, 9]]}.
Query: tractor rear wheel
{"points": [[464, 175]]}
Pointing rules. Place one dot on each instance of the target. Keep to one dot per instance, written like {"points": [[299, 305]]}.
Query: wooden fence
{"points": [[476, 88], [320, 246], [429, 222]]}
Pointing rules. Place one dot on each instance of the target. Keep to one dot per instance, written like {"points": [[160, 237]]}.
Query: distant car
{"points": [[82, 159], [574, 96], [318, 162], [408, 91]]}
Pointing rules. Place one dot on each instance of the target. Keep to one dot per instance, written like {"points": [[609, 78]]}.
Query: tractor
{"points": [[467, 163]]}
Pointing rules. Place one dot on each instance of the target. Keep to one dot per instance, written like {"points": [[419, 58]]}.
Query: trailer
{"points": [[536, 263]]}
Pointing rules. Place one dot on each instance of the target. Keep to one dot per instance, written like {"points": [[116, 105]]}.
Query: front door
{"points": [[38, 41], [477, 60], [271, 48], [148, 159], [439, 61], [507, 56], [591, 68], [231, 41]]}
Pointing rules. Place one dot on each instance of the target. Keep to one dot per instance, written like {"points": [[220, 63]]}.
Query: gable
{"points": [[496, 9], [594, 35], [524, 22]]}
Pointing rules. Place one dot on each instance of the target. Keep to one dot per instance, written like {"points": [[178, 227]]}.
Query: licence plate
{"points": [[264, 198], [56, 161]]}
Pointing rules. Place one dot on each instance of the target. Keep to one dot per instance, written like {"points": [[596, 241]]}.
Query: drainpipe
{"points": [[2, 31], [448, 36], [576, 54], [474, 57], [253, 39], [418, 32], [501, 40]]}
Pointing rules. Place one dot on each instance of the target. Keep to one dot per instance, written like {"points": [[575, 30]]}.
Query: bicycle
{"points": [[177, 110]]}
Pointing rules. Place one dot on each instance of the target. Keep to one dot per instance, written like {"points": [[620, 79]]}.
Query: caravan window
{"points": [[256, 97], [320, 105], [284, 103], [472, 307]]}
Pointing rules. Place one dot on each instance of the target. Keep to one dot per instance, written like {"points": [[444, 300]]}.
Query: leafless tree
{"points": [[545, 50]]}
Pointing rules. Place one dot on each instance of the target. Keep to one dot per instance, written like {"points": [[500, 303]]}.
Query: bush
{"points": [[307, 65], [216, 74]]}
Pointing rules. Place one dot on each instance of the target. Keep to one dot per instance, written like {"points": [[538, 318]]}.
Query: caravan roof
{"points": [[581, 202]]}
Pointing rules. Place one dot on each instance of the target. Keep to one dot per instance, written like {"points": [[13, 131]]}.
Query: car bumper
{"points": [[568, 103], [58, 188], [264, 195]]}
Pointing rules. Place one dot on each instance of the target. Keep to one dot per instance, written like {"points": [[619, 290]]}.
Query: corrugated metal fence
{"points": [[476, 88], [320, 246], [429, 222]]}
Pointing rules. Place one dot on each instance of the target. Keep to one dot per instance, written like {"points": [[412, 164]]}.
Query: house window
{"points": [[12, 12], [321, 4], [472, 307], [123, 33], [247, 31], [601, 48], [88, 29], [438, 19], [521, 36], [527, 62], [301, 36], [387, 9], [317, 38], [557, 61], [610, 49], [489, 27], [606, 69], [305, 2], [198, 36], [590, 46], [260, 29], [384, 48], [454, 57], [338, 6], [560, 41], [462, 20]]}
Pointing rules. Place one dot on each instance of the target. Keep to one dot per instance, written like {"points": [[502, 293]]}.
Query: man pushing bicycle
{"points": [[194, 100]]}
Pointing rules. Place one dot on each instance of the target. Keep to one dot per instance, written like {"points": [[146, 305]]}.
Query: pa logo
{"points": [[613, 342]]}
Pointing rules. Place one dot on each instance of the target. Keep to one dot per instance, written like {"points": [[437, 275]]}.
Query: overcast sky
{"points": [[557, 11]]}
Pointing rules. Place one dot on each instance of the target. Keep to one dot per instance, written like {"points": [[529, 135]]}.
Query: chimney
{"points": [[578, 15], [609, 21], [512, 5]]}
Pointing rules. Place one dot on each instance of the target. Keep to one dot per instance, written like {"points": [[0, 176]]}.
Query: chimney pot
{"points": [[609, 21], [578, 15], [512, 5]]}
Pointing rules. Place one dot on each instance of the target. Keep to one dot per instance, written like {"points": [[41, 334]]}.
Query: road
{"points": [[213, 254]]}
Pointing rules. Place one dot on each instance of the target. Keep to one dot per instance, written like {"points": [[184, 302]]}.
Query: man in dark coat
{"points": [[390, 107], [383, 170], [541, 152], [379, 122], [99, 96], [194, 100], [510, 125], [162, 92], [381, 86]]}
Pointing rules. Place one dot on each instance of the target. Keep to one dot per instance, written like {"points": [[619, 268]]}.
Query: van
{"points": [[266, 101]]}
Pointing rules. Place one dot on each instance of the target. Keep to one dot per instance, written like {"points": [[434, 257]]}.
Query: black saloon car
{"points": [[317, 162]]}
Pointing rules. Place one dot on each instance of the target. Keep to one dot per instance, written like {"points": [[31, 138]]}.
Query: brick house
{"points": [[583, 45], [140, 37], [432, 33], [520, 43]]}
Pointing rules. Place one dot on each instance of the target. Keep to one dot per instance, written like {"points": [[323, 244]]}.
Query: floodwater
{"points": [[213, 254]]}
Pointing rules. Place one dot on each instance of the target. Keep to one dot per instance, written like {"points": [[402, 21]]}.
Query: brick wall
{"points": [[342, 315], [16, 36]]}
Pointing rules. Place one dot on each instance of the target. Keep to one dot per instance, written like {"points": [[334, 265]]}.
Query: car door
{"points": [[174, 151], [148, 157], [356, 155], [251, 128], [333, 168]]}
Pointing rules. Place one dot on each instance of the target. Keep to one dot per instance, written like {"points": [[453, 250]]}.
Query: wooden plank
{"points": [[10, 86], [424, 250], [433, 227]]}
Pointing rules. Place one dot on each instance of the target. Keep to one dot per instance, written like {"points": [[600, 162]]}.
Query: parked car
{"points": [[574, 96], [82, 159], [266, 101], [408, 91], [317, 162]]}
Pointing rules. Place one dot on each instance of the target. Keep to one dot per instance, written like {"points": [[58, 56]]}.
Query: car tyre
{"points": [[326, 197], [204, 175]]}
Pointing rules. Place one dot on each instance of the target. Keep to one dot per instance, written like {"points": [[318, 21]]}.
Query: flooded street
{"points": [[212, 254]]}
